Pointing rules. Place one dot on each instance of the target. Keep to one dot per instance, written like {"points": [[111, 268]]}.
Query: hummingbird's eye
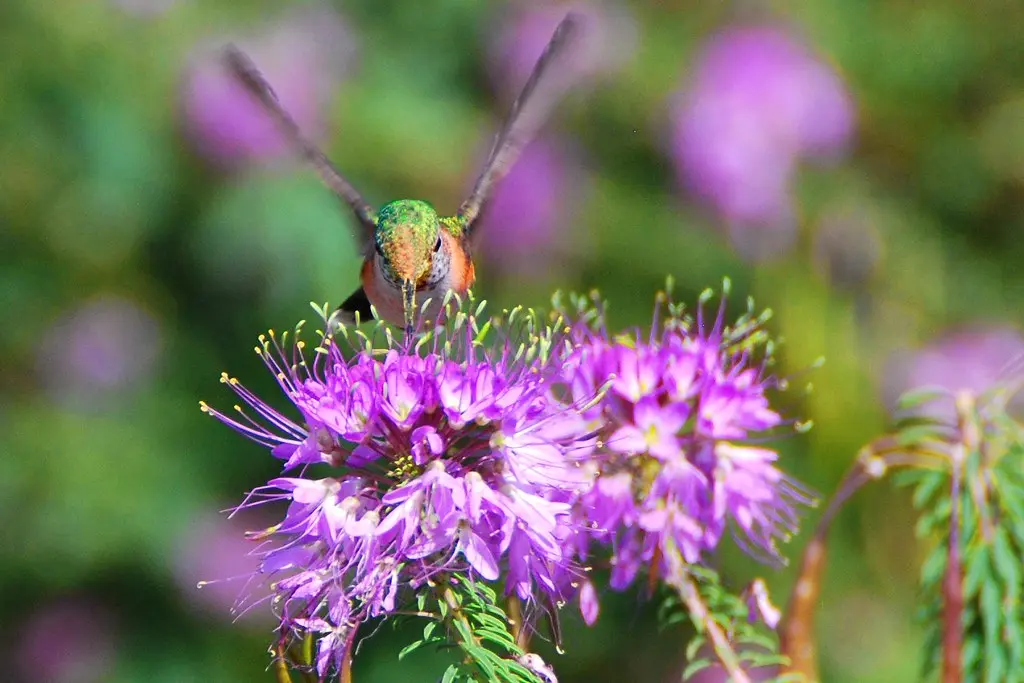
{"points": [[437, 244]]}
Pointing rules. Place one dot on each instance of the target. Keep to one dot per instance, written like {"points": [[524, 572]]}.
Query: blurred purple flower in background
{"points": [[107, 346], [606, 44], [213, 553], [66, 641], [758, 102], [303, 56], [717, 674], [528, 224], [974, 359]]}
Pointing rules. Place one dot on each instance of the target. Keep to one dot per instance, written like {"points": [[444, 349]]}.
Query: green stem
{"points": [[346, 667], [520, 633], [280, 665], [307, 648], [702, 618], [449, 598]]}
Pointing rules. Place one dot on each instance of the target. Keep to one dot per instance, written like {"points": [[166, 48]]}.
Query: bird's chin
{"points": [[399, 279]]}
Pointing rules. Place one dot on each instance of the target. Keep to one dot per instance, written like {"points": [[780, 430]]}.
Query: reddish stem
{"points": [[796, 633]]}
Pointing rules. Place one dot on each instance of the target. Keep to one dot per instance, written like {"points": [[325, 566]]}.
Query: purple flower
{"points": [[303, 57], [213, 548], [653, 430], [759, 604], [604, 46], [71, 640], [675, 466], [442, 458], [975, 359], [733, 406], [102, 348], [758, 102], [590, 606], [528, 225]]}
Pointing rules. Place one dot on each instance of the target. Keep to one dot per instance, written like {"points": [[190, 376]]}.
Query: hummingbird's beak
{"points": [[409, 304]]}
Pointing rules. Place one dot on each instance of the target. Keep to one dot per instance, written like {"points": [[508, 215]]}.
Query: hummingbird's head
{"points": [[408, 235]]}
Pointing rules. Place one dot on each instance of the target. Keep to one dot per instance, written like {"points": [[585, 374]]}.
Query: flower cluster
{"points": [[451, 454], [439, 458], [676, 463]]}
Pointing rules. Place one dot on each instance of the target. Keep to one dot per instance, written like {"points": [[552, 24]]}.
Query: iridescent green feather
{"points": [[412, 216], [455, 226]]}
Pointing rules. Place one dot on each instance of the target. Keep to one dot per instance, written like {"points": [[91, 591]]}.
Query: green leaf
{"points": [[520, 673], [1005, 560], [914, 435], [673, 620], [928, 523], [758, 639], [996, 665], [450, 674], [977, 572], [443, 609], [410, 648], [694, 646], [972, 654], [484, 620], [695, 666], [789, 678], [915, 398], [486, 592], [933, 567], [929, 484], [1013, 636], [991, 611], [481, 658], [464, 630]]}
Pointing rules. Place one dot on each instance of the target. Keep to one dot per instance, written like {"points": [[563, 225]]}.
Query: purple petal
{"points": [[478, 554], [590, 606]]}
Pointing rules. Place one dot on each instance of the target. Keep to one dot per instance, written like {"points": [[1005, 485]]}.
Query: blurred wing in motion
{"points": [[242, 68], [527, 115], [356, 308]]}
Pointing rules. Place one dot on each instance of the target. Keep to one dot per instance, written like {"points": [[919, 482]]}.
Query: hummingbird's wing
{"points": [[358, 304], [527, 115], [243, 68]]}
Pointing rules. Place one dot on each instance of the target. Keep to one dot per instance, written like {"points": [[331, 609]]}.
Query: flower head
{"points": [[447, 456], [676, 464], [975, 359], [759, 102]]}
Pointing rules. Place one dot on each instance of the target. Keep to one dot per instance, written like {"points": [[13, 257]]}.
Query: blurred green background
{"points": [[151, 227]]}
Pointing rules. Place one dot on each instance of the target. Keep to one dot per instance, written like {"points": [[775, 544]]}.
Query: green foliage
{"points": [[755, 645], [468, 619], [991, 538]]}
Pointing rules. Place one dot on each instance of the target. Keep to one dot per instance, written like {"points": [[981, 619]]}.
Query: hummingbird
{"points": [[408, 248]]}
